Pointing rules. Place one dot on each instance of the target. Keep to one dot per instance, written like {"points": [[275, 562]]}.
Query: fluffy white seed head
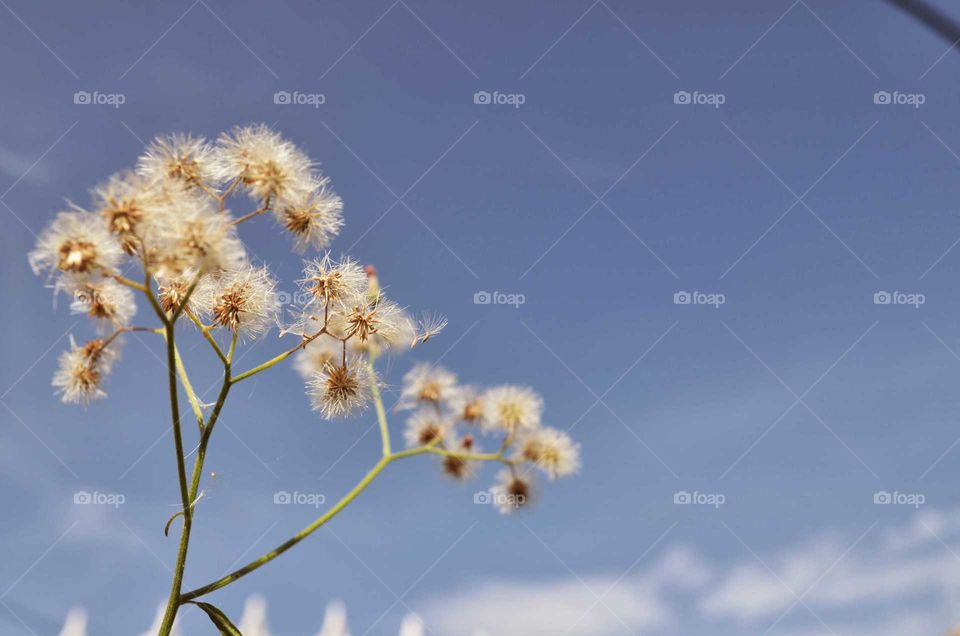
{"points": [[268, 167], [179, 158], [328, 282], [427, 426], [550, 450], [106, 301], [512, 491], [426, 384], [512, 408], [76, 243], [377, 317], [313, 216], [128, 202], [192, 234], [377, 344], [242, 300], [81, 371], [466, 404], [340, 390], [318, 353]]}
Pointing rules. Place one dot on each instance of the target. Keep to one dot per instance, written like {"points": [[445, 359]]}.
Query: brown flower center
{"points": [[430, 392], [77, 255], [473, 411], [297, 221], [429, 434], [327, 286], [229, 306], [184, 167], [341, 384], [172, 295], [519, 491]]}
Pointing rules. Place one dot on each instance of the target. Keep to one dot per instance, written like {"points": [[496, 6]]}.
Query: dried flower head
{"points": [[379, 316], [466, 403], [105, 300], [318, 353], [511, 408], [81, 370], [192, 234], [378, 344], [180, 158], [268, 167], [126, 200], [327, 282], [171, 292], [340, 390], [426, 427], [427, 384], [551, 450], [512, 491], [243, 300], [457, 467], [77, 243], [313, 217]]}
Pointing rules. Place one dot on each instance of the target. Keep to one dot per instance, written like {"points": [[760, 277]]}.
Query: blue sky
{"points": [[599, 198]]}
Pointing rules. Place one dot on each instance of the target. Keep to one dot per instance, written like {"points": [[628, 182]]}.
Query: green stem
{"points": [[174, 603], [295, 539], [191, 394], [327, 516], [207, 336], [279, 358], [173, 600], [381, 412]]}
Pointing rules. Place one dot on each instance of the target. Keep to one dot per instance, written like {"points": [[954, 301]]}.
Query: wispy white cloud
{"points": [[570, 606], [898, 580]]}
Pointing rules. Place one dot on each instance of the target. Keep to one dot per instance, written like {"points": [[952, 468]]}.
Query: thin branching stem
{"points": [[382, 463]]}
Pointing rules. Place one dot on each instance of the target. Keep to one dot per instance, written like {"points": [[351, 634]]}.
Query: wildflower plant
{"points": [[168, 222]]}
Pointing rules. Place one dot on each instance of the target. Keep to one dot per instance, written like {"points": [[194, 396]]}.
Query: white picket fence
{"points": [[253, 621]]}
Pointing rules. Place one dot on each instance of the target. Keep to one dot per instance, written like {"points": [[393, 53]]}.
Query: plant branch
{"points": [[295, 539], [279, 358], [327, 516]]}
